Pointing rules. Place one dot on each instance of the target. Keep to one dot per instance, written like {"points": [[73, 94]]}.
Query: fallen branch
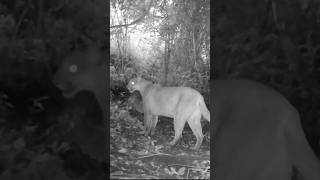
{"points": [[153, 155]]}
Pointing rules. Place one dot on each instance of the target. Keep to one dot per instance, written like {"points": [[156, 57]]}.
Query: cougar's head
{"points": [[64, 78], [133, 84], [79, 71]]}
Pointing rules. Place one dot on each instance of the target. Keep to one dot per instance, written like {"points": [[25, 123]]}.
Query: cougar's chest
{"points": [[159, 104]]}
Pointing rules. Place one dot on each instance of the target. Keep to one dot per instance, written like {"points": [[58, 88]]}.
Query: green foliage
{"points": [[179, 38], [274, 42], [4, 106], [34, 35], [41, 32]]}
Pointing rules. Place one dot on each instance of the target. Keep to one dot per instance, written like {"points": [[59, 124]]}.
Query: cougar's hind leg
{"points": [[195, 125], [179, 123], [179, 120]]}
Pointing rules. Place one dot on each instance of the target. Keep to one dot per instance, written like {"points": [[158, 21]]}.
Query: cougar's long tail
{"points": [[204, 110]]}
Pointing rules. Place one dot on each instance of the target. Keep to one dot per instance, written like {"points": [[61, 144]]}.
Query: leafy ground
{"points": [[39, 141], [133, 155]]}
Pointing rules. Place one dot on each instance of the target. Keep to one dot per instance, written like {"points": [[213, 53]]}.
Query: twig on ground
{"points": [[182, 165], [153, 155], [131, 176]]}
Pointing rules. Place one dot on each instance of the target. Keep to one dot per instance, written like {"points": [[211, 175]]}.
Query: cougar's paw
{"points": [[172, 143], [146, 133], [152, 132]]}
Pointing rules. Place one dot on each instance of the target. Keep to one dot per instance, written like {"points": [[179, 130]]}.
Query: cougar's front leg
{"points": [[147, 122], [154, 123]]}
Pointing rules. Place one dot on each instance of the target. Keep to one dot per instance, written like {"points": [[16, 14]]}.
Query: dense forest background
{"points": [[167, 42], [43, 135], [276, 43]]}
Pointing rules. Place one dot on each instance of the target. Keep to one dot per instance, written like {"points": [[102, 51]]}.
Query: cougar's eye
{"points": [[73, 68], [132, 83]]}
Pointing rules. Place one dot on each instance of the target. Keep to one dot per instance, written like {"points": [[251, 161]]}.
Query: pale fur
{"points": [[258, 134], [183, 104]]}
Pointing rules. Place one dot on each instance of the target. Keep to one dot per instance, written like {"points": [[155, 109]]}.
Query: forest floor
{"points": [[134, 155]]}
